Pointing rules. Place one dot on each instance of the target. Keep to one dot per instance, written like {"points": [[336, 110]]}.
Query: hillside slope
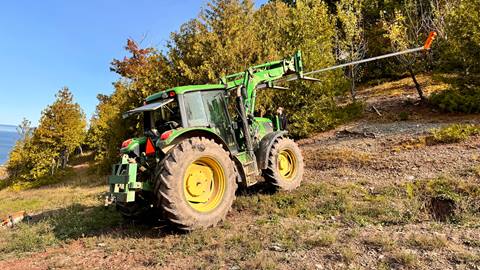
{"points": [[376, 195]]}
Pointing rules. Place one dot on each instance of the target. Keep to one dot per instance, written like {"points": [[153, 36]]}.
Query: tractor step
{"points": [[251, 172]]}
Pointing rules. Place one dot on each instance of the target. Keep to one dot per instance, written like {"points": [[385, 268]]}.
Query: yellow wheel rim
{"points": [[287, 164], [204, 184]]}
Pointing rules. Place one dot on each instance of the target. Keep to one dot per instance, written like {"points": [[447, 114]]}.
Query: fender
{"points": [[184, 133], [265, 146]]}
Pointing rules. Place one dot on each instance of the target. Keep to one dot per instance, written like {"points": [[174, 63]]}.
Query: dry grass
{"points": [[262, 232], [380, 241], [321, 239], [405, 258], [400, 87], [409, 144], [333, 158], [48, 198], [3, 172], [426, 242]]}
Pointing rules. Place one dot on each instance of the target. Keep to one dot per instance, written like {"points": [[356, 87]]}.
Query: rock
{"points": [[276, 247], [410, 178], [319, 266]]}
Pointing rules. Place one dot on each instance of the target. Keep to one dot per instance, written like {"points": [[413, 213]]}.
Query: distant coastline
{"points": [[8, 128], [8, 137]]}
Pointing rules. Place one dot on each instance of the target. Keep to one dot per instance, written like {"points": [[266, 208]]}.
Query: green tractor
{"points": [[200, 143]]}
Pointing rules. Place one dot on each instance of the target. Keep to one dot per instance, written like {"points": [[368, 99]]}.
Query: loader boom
{"points": [[265, 74], [270, 75], [425, 47]]}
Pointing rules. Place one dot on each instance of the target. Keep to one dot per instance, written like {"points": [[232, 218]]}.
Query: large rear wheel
{"points": [[285, 165], [196, 184]]}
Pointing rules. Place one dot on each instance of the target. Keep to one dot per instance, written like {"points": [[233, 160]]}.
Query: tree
{"points": [[463, 37], [40, 151], [227, 37], [351, 38], [18, 155], [108, 128], [221, 41], [408, 28], [144, 72], [62, 126], [311, 106], [25, 129]]}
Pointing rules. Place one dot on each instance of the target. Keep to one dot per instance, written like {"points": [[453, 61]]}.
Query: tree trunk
{"points": [[352, 89], [417, 85], [64, 159]]}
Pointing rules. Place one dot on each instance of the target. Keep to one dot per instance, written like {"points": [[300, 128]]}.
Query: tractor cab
{"points": [[159, 117], [183, 111]]}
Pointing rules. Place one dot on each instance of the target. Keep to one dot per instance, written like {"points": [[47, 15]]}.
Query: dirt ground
{"points": [[334, 221]]}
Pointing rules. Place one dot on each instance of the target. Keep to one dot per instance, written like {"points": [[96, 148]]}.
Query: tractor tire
{"points": [[285, 165], [195, 184]]}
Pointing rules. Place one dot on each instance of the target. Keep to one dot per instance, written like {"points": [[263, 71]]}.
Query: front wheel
{"points": [[196, 184], [285, 165]]}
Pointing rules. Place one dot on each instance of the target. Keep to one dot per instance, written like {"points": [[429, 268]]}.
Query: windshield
{"points": [[161, 117], [166, 117], [158, 117]]}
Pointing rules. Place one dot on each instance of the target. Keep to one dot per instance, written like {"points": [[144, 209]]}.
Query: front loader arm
{"points": [[264, 74]]}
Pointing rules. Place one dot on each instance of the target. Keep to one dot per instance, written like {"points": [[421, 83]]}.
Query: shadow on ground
{"points": [[77, 220]]}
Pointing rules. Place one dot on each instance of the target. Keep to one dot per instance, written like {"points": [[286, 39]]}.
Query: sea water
{"points": [[8, 137]]}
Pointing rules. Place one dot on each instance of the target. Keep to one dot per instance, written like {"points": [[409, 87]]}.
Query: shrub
{"points": [[454, 133], [465, 100], [403, 116]]}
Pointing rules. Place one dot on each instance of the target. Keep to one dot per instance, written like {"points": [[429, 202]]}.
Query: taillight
{"points": [[149, 148], [126, 143], [165, 135], [171, 94]]}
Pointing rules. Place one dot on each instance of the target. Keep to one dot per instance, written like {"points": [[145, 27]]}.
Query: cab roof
{"points": [[184, 89]]}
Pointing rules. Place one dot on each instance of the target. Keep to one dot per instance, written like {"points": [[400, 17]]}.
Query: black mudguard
{"points": [[265, 146]]}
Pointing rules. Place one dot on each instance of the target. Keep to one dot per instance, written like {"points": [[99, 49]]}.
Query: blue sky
{"points": [[45, 45]]}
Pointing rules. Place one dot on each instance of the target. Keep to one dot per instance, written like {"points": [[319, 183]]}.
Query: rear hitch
{"points": [[123, 181]]}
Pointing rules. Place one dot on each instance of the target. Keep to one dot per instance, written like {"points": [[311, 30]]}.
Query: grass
{"points": [[426, 242], [27, 238], [348, 254], [333, 158], [453, 133], [464, 256], [431, 84], [321, 239], [404, 257], [47, 198], [263, 231], [380, 241], [409, 144]]}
